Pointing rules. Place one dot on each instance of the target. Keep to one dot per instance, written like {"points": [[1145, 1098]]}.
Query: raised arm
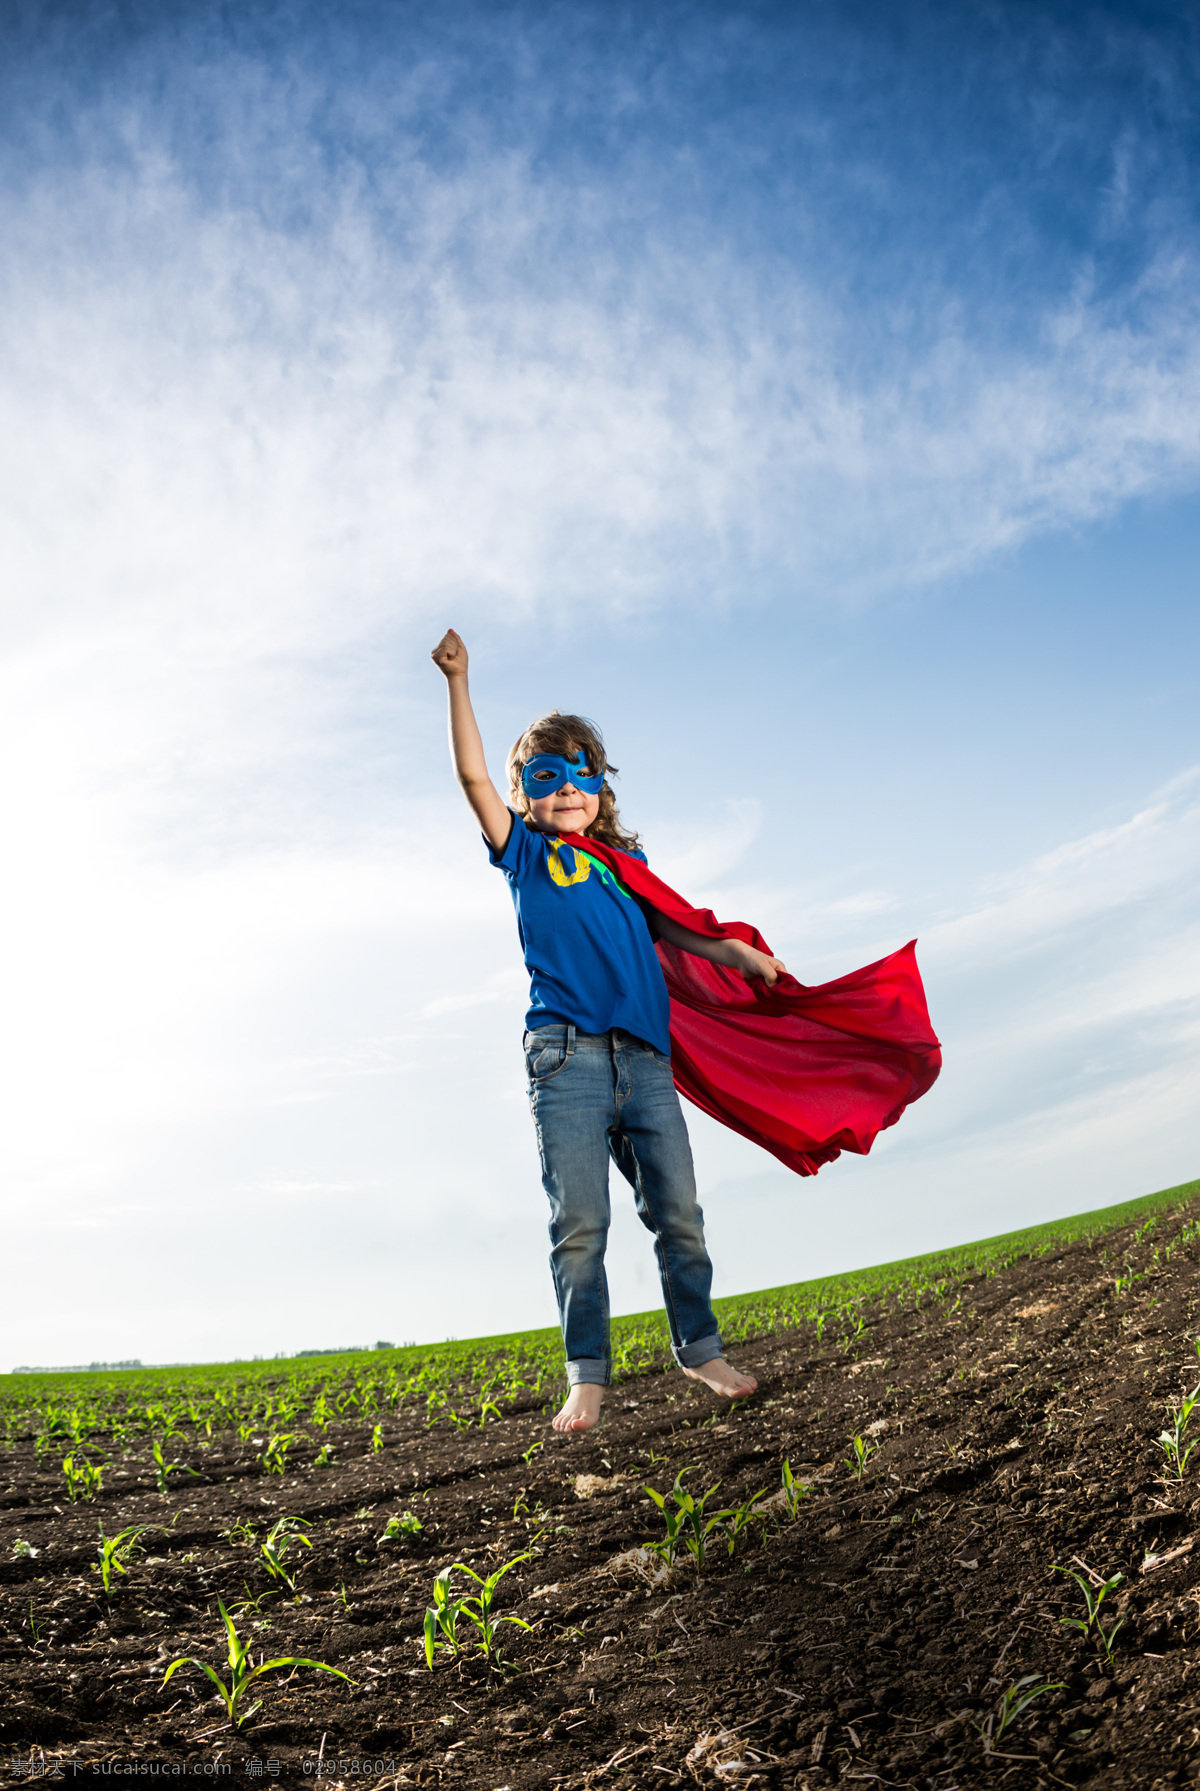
{"points": [[731, 952], [466, 746]]}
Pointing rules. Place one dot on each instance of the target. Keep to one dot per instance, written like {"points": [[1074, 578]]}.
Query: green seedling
{"points": [[408, 1525], [1011, 1704], [324, 1456], [442, 1617], [275, 1548], [274, 1456], [793, 1490], [377, 1439], [533, 1448], [1173, 1442], [253, 1601], [25, 1551], [537, 1514], [241, 1674], [114, 1553], [1095, 1590], [164, 1469], [669, 1547], [84, 1479], [738, 1517], [687, 1526], [862, 1449]]}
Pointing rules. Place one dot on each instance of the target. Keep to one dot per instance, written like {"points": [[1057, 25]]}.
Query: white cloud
{"points": [[238, 441]]}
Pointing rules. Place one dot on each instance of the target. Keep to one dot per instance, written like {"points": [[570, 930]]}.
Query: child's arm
{"points": [[731, 952], [466, 746]]}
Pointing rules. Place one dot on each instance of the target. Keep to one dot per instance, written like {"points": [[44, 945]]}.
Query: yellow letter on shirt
{"points": [[558, 870]]}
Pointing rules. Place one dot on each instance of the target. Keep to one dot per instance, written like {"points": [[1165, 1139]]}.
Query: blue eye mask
{"points": [[547, 772]]}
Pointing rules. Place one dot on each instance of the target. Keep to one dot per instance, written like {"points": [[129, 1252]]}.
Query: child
{"points": [[597, 1048]]}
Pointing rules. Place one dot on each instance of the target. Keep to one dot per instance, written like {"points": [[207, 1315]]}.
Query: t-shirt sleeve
{"points": [[515, 856]]}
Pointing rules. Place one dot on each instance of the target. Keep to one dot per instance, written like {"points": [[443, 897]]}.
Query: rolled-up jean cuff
{"points": [[591, 1371], [691, 1355]]}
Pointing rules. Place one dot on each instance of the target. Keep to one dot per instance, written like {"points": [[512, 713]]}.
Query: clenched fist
{"points": [[450, 655]]}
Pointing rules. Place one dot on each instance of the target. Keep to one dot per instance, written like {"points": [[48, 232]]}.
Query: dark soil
{"points": [[868, 1641]]}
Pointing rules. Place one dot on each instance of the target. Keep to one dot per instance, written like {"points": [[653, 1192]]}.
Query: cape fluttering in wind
{"points": [[805, 1072]]}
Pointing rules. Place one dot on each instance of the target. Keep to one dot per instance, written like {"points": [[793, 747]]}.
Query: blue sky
{"points": [[810, 394]]}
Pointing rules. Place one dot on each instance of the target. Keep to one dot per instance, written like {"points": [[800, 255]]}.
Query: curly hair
{"points": [[570, 735]]}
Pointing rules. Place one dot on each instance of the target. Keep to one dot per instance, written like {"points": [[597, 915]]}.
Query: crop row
{"points": [[693, 1527], [470, 1383]]}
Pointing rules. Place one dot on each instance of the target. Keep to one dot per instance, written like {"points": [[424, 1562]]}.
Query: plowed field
{"points": [[870, 1638]]}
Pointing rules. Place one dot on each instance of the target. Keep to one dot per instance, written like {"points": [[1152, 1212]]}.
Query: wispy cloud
{"points": [[260, 399], [1074, 990]]}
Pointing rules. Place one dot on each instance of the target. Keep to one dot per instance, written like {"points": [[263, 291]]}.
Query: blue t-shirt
{"points": [[587, 946]]}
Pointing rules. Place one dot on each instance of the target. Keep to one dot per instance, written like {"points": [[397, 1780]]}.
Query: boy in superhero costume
{"points": [[634, 993]]}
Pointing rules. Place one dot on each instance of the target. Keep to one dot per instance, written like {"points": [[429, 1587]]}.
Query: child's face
{"points": [[567, 810]]}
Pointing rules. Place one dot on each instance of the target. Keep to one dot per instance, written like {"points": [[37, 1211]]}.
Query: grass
{"points": [[273, 1399]]}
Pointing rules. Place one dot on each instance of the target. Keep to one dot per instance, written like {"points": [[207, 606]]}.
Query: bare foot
{"points": [[723, 1378], [582, 1408]]}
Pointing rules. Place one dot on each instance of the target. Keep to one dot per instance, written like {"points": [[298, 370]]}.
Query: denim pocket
{"points": [[545, 1061]]}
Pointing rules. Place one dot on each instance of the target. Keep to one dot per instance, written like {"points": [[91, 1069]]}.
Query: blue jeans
{"points": [[596, 1097]]}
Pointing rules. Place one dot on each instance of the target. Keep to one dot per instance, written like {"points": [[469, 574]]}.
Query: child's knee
{"points": [[580, 1241]]}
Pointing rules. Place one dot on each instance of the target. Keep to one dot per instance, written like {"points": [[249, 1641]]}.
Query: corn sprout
{"points": [[1011, 1704], [1095, 1590], [442, 1617], [241, 1674], [114, 1553]]}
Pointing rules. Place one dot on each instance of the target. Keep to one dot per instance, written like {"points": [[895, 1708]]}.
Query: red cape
{"points": [[806, 1073]]}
